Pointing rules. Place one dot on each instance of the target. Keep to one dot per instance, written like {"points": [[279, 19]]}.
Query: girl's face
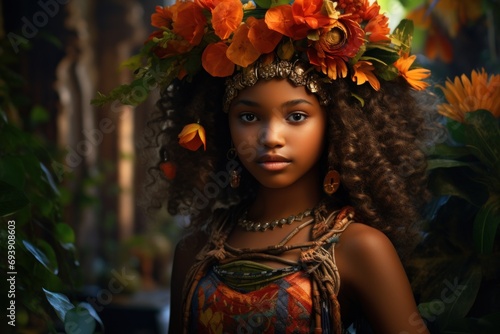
{"points": [[278, 130]]}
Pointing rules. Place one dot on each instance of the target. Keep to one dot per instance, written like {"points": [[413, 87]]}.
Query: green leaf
{"points": [[456, 130], [270, 3], [78, 320], [64, 233], [482, 133], [446, 163], [457, 182], [12, 199], [44, 253], [263, 3], [449, 152], [486, 225], [12, 171], [59, 302], [402, 35], [47, 176], [381, 52], [461, 299], [39, 115], [92, 312]]}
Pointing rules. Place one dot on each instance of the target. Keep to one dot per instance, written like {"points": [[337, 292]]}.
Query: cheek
{"points": [[243, 141]]}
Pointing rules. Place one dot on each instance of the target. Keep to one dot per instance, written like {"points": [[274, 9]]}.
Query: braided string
{"points": [[318, 260]]}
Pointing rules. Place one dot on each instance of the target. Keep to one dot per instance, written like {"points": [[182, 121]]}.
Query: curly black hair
{"points": [[376, 140]]}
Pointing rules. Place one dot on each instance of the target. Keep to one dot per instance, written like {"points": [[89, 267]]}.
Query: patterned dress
{"points": [[227, 291]]}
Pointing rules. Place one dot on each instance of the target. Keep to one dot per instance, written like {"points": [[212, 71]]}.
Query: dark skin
{"points": [[268, 121]]}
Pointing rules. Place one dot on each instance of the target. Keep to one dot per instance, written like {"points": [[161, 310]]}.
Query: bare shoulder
{"points": [[364, 250], [369, 264], [362, 242]]}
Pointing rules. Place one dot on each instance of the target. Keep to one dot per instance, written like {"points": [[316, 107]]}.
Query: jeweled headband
{"points": [[226, 38], [297, 72]]}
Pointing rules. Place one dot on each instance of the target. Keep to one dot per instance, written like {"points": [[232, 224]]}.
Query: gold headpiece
{"points": [[341, 39], [298, 72]]}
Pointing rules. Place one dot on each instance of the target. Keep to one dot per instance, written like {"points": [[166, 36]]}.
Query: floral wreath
{"points": [[346, 38]]}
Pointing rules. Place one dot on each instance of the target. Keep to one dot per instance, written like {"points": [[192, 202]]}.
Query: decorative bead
{"points": [[261, 227]]}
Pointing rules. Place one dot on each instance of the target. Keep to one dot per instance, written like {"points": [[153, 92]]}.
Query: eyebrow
{"points": [[291, 103]]}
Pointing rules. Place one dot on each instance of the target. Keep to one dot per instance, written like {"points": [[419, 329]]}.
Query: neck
{"points": [[271, 203]]}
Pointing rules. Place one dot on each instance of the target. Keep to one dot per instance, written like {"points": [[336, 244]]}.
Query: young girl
{"points": [[291, 137]]}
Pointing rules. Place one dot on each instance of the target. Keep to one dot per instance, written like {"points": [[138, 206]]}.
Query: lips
{"points": [[273, 162]]}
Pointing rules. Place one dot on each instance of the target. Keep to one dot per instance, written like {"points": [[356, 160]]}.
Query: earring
{"points": [[167, 167], [234, 181], [234, 175], [331, 182]]}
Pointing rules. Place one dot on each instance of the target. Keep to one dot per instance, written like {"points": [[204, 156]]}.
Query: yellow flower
{"points": [[192, 137], [413, 77], [464, 95]]}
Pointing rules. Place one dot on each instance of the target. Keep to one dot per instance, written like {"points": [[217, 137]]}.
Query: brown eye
{"points": [[297, 117], [247, 117]]}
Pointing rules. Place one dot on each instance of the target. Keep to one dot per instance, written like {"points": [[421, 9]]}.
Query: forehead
{"points": [[275, 92]]}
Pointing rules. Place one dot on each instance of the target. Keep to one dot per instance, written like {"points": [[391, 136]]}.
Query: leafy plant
{"points": [[457, 267], [40, 255]]}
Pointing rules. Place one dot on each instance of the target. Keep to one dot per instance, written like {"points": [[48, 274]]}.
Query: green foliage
{"points": [[461, 245], [32, 230]]}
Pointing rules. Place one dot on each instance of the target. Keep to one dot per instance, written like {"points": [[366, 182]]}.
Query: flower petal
{"points": [[226, 17], [192, 137], [241, 51], [215, 61]]}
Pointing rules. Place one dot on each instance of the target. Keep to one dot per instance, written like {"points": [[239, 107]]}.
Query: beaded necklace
{"points": [[250, 225]]}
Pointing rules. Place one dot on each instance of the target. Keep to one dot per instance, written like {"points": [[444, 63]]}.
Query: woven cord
{"points": [[318, 260]]}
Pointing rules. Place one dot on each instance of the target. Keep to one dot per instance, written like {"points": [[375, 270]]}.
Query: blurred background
{"points": [[88, 256]]}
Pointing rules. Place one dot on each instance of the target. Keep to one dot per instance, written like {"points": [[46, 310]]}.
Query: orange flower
{"points": [[413, 77], [226, 17], [335, 47], [309, 12], [189, 22], [215, 61], [377, 29], [207, 4], [438, 45], [162, 18], [261, 37], [193, 137], [420, 16], [241, 51], [298, 19], [356, 8], [369, 11], [363, 72], [464, 95]]}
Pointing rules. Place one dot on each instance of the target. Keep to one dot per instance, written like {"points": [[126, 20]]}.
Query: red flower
{"points": [[162, 18]]}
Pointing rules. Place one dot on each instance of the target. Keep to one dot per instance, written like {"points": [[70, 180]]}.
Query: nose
{"points": [[271, 135]]}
